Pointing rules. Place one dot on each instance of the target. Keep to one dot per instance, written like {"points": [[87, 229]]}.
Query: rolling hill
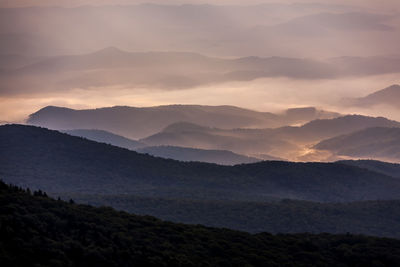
{"points": [[59, 163], [134, 122], [388, 96], [242, 141], [319, 129], [377, 218], [285, 142], [391, 169], [222, 157], [374, 143], [106, 137]]}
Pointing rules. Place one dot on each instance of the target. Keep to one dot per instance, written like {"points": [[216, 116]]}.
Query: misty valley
{"points": [[232, 177], [188, 133], [217, 133]]}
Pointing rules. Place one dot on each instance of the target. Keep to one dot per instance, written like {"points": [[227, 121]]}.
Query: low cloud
{"points": [[268, 94]]}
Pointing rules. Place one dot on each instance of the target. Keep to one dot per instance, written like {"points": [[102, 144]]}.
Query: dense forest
{"points": [[59, 163], [377, 218], [36, 230]]}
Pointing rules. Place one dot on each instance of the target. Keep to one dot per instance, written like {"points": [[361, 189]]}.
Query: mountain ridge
{"points": [[389, 96], [222, 157], [122, 120], [57, 162], [286, 142], [391, 169], [376, 143], [106, 137]]}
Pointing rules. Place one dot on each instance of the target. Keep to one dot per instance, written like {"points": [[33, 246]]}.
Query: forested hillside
{"points": [[391, 169], [55, 162], [39, 231], [377, 218]]}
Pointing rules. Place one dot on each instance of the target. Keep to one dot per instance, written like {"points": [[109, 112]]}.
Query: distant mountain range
{"points": [[114, 58], [377, 143], [106, 137], [170, 152], [245, 132], [196, 27], [284, 142], [302, 186], [376, 138], [174, 70], [59, 163], [389, 96], [135, 123], [167, 70], [325, 128], [242, 141], [320, 23], [14, 61]]}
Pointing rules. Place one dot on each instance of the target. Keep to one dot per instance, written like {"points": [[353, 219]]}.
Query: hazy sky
{"points": [[18, 3], [346, 38]]}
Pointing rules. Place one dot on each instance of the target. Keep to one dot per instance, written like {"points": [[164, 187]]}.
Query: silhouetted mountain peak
{"points": [[394, 87], [51, 108], [49, 111], [111, 50], [393, 90], [387, 96]]}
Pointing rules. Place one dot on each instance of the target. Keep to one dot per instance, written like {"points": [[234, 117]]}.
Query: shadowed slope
{"points": [[106, 137], [57, 162], [222, 157]]}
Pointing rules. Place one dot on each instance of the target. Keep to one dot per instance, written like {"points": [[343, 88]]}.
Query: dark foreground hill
{"points": [[59, 163], [38, 231]]}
